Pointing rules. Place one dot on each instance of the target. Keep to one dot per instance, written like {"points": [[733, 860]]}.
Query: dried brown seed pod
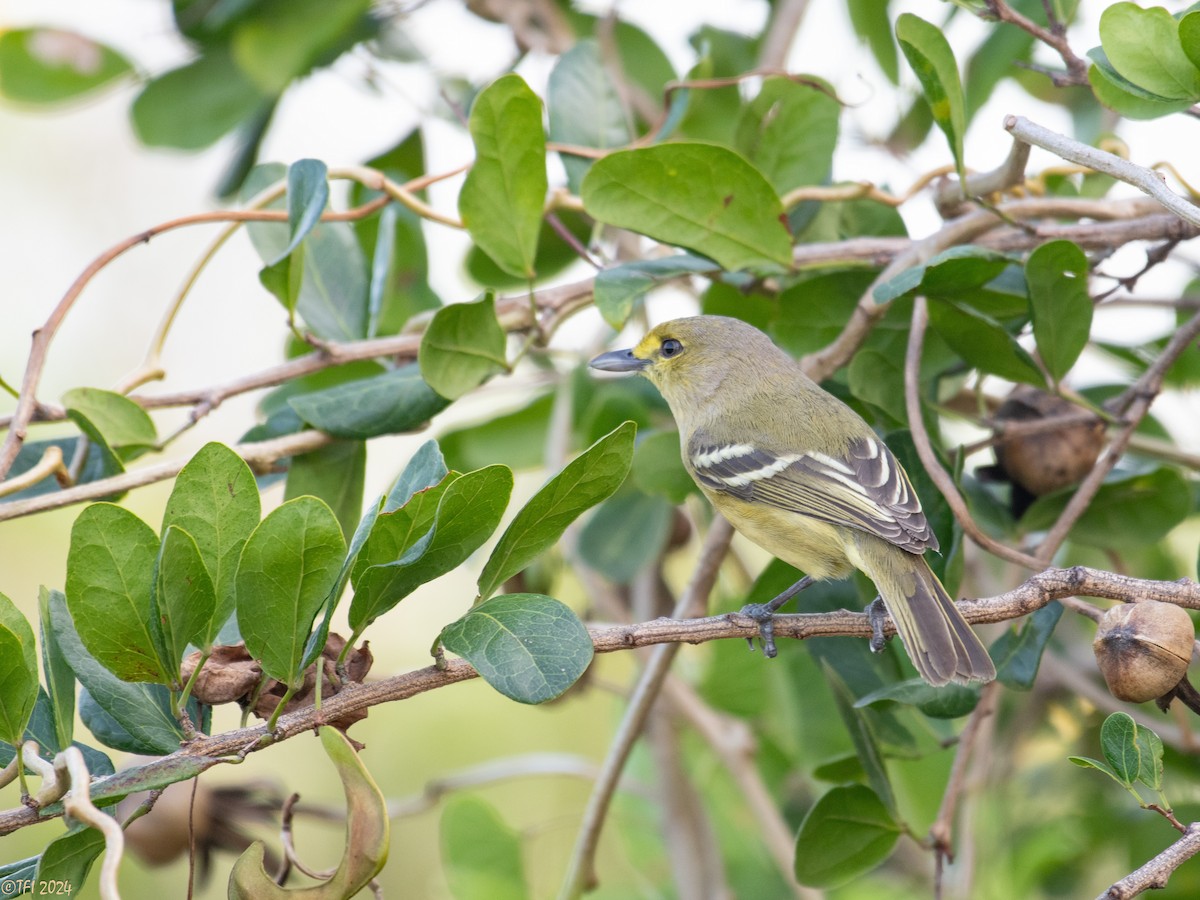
{"points": [[1143, 649], [1044, 461]]}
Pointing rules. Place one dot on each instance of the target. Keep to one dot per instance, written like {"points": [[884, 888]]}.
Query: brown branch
{"points": [[940, 832], [1039, 590], [1155, 874], [42, 337], [259, 456], [1053, 37]]}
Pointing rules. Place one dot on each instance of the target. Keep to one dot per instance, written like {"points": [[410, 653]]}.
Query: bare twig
{"points": [[941, 831], [1054, 38], [260, 456], [1145, 180], [786, 17], [1155, 874]]}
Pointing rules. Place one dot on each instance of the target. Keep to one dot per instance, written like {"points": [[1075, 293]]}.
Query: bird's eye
{"points": [[671, 347]]}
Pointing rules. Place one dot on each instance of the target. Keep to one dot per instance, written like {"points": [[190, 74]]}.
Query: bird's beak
{"points": [[619, 361]]}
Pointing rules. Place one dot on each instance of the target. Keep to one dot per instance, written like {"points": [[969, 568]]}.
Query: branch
{"points": [[259, 456], [1146, 180], [1055, 38], [1155, 874], [205, 752]]}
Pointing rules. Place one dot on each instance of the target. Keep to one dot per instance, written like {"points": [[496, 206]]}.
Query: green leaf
{"points": [[626, 533], [1143, 45], [1118, 740], [50, 65], [928, 52], [13, 619], [397, 531], [307, 195], [698, 196], [617, 289], [215, 500], [57, 674], [463, 346], [953, 272], [1124, 97], [68, 858], [391, 403], [1189, 37], [185, 600], [110, 570], [482, 855], [1130, 509], [862, 736], [983, 342], [1018, 652], [287, 569], [847, 832], [426, 468], [1150, 752], [529, 647], [591, 477], [132, 717], [947, 702], [273, 48], [18, 684], [123, 423], [789, 131], [502, 199], [658, 467], [217, 98], [585, 108], [1062, 310], [468, 512], [1086, 762], [336, 474], [873, 24]]}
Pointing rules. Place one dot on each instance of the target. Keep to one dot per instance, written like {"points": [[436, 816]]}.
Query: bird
{"points": [[802, 475]]}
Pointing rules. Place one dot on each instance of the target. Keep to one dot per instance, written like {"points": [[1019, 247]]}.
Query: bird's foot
{"points": [[876, 614], [764, 615]]}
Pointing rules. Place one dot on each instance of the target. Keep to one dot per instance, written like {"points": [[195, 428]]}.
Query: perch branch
{"points": [[1155, 874], [204, 752]]}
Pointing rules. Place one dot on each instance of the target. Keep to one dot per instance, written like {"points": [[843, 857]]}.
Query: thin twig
{"points": [[941, 831], [260, 456], [1054, 38]]}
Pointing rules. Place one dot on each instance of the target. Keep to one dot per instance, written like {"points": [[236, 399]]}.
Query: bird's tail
{"points": [[939, 641]]}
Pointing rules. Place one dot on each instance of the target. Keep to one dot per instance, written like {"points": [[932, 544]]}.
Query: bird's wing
{"points": [[865, 489]]}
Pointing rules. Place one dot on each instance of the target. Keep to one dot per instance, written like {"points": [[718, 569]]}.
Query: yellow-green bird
{"points": [[802, 475]]}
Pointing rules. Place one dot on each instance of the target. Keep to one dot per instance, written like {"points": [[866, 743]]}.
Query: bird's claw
{"points": [[764, 615], [876, 613]]}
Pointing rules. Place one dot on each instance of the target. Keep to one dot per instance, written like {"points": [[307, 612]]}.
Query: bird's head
{"points": [[687, 359]]}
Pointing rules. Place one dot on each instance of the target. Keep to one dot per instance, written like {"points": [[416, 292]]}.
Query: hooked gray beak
{"points": [[619, 361]]}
